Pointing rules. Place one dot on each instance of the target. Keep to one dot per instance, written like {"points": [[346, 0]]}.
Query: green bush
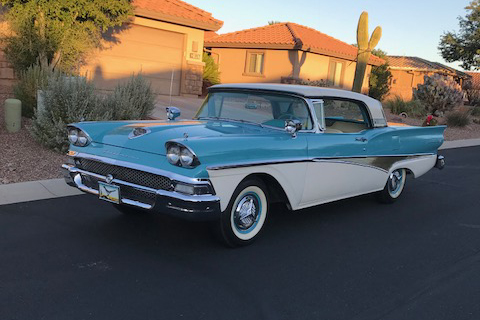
{"points": [[314, 83], [439, 94], [73, 99], [133, 99], [66, 100], [476, 112], [33, 79], [211, 75], [413, 108], [458, 119]]}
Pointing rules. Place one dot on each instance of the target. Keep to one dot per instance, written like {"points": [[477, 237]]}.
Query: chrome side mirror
{"points": [[292, 126], [172, 113]]}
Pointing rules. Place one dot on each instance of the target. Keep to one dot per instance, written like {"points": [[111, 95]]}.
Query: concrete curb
{"points": [[460, 144], [35, 190], [55, 188]]}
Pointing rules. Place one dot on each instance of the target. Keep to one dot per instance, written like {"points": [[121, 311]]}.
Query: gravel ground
{"points": [[23, 159], [471, 131]]}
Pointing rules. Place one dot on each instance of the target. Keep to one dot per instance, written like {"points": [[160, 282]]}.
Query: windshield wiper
{"points": [[233, 120]]}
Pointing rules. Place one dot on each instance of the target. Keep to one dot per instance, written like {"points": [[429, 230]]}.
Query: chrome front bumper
{"points": [[190, 207]]}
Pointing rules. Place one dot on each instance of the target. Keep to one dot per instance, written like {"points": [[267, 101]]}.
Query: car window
{"points": [[266, 109], [343, 116]]}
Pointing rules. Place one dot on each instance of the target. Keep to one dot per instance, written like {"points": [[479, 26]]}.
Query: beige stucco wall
{"points": [[278, 64], [404, 81], [153, 48]]}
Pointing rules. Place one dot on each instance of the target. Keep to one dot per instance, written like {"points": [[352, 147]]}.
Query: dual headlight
{"points": [[181, 156], [77, 137]]}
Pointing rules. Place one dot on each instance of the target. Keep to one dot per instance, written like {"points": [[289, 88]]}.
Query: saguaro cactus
{"points": [[365, 47]]}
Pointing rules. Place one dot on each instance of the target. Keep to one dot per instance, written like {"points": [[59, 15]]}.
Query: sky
{"points": [[411, 28]]}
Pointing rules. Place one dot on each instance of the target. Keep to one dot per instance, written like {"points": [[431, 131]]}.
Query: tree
{"points": [[58, 33], [379, 82], [273, 22], [464, 46]]}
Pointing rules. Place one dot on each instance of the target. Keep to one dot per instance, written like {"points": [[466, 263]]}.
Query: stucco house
{"points": [[285, 51], [408, 73], [164, 41]]}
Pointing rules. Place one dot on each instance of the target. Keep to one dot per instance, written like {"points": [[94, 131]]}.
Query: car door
{"points": [[339, 153]]}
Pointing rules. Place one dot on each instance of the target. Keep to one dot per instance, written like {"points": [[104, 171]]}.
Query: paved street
{"points": [[77, 258]]}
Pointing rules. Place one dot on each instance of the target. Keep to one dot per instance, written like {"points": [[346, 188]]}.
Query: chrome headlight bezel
{"points": [[180, 155], [78, 137]]}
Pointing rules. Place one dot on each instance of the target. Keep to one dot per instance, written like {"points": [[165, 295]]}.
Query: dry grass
{"points": [[23, 159]]}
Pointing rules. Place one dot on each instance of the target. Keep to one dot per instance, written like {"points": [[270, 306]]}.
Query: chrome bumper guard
{"points": [[440, 164], [190, 207]]}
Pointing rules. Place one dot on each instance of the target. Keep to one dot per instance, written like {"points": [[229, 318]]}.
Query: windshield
{"points": [[265, 109]]}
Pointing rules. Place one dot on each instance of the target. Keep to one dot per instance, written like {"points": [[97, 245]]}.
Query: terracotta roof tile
{"points": [[178, 9], [289, 35], [404, 62]]}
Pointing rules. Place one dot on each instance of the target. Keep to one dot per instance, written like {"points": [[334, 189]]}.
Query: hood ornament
{"points": [[109, 178], [185, 136]]}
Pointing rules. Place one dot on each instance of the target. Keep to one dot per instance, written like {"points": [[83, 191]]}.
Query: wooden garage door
{"points": [[157, 54]]}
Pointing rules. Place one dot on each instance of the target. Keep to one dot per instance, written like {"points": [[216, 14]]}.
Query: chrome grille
{"points": [[125, 191], [139, 177]]}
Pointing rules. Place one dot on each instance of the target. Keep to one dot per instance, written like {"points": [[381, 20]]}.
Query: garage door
{"points": [[157, 54]]}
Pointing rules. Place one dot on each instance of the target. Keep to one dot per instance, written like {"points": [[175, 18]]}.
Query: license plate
{"points": [[109, 192]]}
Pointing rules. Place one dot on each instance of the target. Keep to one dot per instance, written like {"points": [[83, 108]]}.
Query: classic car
{"points": [[251, 145]]}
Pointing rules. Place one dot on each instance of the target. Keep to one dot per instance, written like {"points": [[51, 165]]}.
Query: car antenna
{"points": [[171, 88]]}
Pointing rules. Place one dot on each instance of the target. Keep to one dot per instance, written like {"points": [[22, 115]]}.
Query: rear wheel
{"points": [[241, 223], [394, 186]]}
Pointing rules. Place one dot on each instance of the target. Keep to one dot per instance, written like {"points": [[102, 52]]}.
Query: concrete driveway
{"points": [[78, 258], [188, 105]]}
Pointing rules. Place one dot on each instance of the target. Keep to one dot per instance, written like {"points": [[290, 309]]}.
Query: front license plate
{"points": [[109, 192]]}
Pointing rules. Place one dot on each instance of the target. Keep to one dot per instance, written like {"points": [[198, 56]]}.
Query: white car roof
{"points": [[374, 106]]}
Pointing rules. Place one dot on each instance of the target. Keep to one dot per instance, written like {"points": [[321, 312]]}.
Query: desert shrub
{"points": [[314, 83], [413, 108], [211, 75], [476, 111], [33, 79], [66, 100], [439, 94], [70, 99], [473, 93], [458, 119], [132, 100]]}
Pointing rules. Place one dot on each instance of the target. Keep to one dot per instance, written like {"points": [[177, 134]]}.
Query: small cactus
{"points": [[365, 47], [439, 94]]}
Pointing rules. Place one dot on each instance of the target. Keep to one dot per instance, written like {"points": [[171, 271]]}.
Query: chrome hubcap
{"points": [[246, 212], [395, 181]]}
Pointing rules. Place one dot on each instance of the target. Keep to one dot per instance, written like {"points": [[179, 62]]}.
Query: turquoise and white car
{"points": [[251, 145]]}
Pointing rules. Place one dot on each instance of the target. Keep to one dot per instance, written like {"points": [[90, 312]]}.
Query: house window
{"points": [[254, 63], [335, 73]]}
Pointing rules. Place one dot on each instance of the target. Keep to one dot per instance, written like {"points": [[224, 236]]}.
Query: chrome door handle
{"points": [[361, 139]]}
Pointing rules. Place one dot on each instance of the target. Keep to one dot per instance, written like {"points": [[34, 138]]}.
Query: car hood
{"points": [[157, 133]]}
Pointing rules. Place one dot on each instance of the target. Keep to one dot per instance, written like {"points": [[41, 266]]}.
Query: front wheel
{"points": [[394, 186], [245, 216]]}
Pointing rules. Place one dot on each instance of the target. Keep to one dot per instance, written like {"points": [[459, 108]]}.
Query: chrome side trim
{"points": [[168, 174], [350, 162], [311, 159]]}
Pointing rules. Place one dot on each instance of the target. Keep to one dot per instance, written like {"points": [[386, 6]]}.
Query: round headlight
{"points": [[82, 141], [186, 157], [73, 135], [173, 154]]}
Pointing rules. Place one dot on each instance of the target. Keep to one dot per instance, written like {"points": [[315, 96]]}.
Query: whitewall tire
{"points": [[245, 216], [394, 186]]}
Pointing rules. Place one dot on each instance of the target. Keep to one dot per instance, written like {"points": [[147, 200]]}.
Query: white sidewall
{"points": [[263, 213]]}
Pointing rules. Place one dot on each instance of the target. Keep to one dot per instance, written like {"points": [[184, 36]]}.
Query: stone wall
{"points": [[193, 78]]}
